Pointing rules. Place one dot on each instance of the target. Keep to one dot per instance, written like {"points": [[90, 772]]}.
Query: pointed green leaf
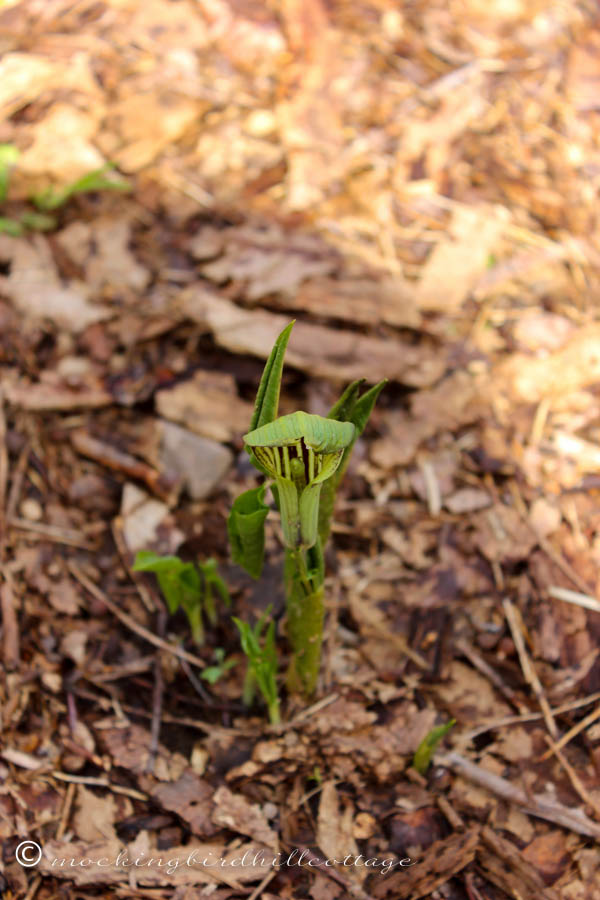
{"points": [[342, 410], [267, 397], [246, 529], [427, 747], [364, 407]]}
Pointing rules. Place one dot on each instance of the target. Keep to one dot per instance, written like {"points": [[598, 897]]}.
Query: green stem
{"points": [[305, 615], [274, 715], [249, 688]]}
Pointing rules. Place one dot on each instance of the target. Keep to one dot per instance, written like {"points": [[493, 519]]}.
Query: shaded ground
{"points": [[417, 185]]}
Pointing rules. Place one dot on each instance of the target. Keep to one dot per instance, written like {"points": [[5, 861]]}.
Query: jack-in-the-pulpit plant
{"points": [[305, 457]]}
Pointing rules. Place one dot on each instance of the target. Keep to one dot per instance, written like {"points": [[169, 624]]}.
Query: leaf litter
{"points": [[414, 183]]}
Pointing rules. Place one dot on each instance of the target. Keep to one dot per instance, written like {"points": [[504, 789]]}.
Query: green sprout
{"points": [[50, 198], [186, 585], [428, 746], [221, 666], [262, 662], [304, 456]]}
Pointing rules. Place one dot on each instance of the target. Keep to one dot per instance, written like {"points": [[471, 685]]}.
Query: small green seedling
{"points": [[97, 180], [49, 199], [9, 156], [304, 456], [213, 673], [428, 746], [262, 662], [187, 586]]}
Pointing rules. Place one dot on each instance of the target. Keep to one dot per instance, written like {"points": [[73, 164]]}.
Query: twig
{"points": [[515, 623], [10, 643], [100, 782], [157, 700], [575, 597], [66, 811], [529, 717], [260, 887], [17, 481], [482, 666], [51, 533], [137, 579], [572, 733], [573, 819], [130, 623]]}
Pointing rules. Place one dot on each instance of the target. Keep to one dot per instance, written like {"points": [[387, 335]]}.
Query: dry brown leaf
{"points": [[502, 535], [233, 811], [94, 817], [470, 697], [362, 300], [23, 77], [62, 147], [335, 830], [324, 352], [192, 799], [37, 291], [268, 261], [130, 749]]}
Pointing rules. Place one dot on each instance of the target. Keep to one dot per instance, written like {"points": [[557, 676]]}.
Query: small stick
{"points": [[137, 579], [575, 597], [573, 732], [482, 666], [260, 887], [17, 481], [100, 782], [157, 697], [529, 717], [573, 819], [10, 644], [51, 532], [66, 811], [130, 623], [513, 617]]}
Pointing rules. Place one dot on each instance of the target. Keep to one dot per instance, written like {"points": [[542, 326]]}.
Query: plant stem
{"points": [[249, 688], [305, 614], [274, 716]]}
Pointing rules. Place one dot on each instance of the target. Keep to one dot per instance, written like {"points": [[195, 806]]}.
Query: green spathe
{"points": [[320, 434], [300, 451]]}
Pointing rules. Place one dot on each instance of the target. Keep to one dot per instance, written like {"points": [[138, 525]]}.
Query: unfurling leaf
{"points": [[246, 529]]}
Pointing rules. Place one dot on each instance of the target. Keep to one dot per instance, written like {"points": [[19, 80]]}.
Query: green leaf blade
{"points": [[267, 397]]}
